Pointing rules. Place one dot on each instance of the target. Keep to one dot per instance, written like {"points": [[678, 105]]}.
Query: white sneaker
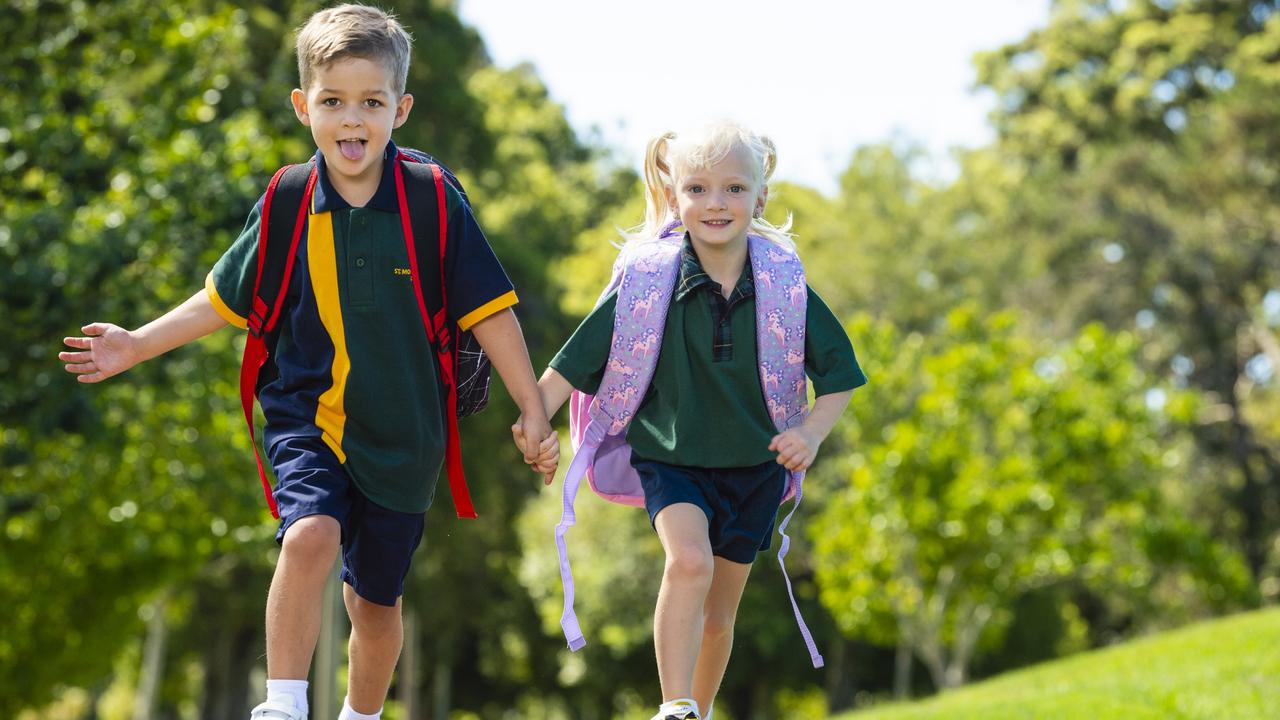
{"points": [[678, 710], [278, 708]]}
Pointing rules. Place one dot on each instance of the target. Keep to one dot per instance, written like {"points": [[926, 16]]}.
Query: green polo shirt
{"points": [[355, 367], [705, 407]]}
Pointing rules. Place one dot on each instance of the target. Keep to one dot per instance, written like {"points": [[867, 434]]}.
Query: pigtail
{"points": [[768, 155], [658, 187]]}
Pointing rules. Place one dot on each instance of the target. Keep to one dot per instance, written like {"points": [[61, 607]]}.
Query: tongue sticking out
{"points": [[351, 149]]}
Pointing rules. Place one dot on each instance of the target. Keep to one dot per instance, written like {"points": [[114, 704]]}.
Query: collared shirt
{"points": [[355, 366], [705, 407]]}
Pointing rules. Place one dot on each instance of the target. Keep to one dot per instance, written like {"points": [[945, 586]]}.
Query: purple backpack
{"points": [[645, 276]]}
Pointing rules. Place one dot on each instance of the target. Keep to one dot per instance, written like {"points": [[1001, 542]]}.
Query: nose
{"points": [[716, 200], [350, 117]]}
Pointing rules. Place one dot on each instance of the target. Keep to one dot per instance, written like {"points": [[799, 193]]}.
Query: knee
{"points": [[312, 540], [370, 617], [690, 562], [717, 625]]}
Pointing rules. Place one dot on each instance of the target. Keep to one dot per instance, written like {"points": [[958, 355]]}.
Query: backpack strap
{"points": [[781, 307], [425, 181], [645, 284], [291, 187]]}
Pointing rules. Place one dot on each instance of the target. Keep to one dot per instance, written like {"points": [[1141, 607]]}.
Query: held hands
{"points": [[108, 350], [796, 448], [540, 445]]}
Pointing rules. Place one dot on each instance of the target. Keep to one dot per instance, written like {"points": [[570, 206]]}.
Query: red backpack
{"points": [[464, 368]]}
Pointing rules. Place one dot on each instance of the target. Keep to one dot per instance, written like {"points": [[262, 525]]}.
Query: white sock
{"points": [[296, 689], [349, 714], [708, 715], [677, 705]]}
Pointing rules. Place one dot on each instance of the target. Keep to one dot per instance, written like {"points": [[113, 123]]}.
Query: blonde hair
{"points": [[669, 155], [353, 31]]}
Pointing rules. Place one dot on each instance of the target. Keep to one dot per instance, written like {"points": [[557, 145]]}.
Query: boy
{"points": [[354, 418]]}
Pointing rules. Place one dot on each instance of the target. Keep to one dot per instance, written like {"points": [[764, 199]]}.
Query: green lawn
{"points": [[1226, 669]]}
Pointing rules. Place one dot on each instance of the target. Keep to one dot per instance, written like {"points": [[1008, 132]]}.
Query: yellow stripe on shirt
{"points": [[331, 415], [502, 302], [221, 307]]}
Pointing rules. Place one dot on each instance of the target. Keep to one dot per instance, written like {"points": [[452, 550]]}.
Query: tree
{"points": [[987, 464]]}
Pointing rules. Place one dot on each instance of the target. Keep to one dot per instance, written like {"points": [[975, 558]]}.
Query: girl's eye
{"points": [[694, 188]]}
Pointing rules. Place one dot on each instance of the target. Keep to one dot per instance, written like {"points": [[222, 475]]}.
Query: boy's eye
{"points": [[736, 189], [373, 103], [329, 102]]}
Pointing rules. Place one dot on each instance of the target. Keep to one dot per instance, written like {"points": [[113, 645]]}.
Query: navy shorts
{"points": [[377, 543], [741, 504]]}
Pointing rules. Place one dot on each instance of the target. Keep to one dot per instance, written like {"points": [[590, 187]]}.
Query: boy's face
{"points": [[716, 204], [351, 108]]}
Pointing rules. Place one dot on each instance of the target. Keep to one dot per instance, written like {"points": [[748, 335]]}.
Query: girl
{"points": [[711, 438]]}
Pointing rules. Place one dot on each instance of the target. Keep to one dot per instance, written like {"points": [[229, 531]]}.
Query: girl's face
{"points": [[716, 204]]}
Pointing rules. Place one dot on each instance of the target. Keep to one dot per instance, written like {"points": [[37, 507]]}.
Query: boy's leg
{"points": [[686, 579], [377, 632], [294, 602], [376, 556], [719, 613]]}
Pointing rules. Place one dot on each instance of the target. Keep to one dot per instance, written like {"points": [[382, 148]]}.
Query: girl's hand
{"points": [[545, 458], [796, 448], [107, 350]]}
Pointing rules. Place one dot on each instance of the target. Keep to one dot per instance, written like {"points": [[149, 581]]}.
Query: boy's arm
{"points": [[110, 350], [798, 446], [500, 336]]}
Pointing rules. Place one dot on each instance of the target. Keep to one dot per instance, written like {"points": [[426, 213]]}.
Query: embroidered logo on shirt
{"points": [[402, 271]]}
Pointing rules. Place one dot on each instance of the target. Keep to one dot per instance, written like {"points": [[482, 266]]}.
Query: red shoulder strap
{"points": [[438, 332], [265, 313]]}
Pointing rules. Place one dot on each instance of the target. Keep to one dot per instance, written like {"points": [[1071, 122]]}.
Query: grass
{"points": [[1226, 669]]}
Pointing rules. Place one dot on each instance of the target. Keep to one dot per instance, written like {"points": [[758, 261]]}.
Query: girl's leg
{"points": [[377, 633], [686, 579], [719, 612], [307, 553]]}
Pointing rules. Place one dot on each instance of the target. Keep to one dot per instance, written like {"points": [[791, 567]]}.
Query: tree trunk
{"points": [[228, 663], [144, 703], [324, 692], [441, 688], [902, 671], [839, 678], [407, 674]]}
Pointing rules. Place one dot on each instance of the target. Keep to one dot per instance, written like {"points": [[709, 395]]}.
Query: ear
{"points": [[299, 100], [761, 201], [402, 109]]}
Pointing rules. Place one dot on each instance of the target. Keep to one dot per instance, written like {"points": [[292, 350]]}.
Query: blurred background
{"points": [[1069, 309]]}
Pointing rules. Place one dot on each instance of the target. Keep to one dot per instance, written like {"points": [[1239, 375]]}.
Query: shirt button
{"points": [[359, 262]]}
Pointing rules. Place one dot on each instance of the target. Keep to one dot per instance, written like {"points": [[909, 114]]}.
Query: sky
{"points": [[820, 77]]}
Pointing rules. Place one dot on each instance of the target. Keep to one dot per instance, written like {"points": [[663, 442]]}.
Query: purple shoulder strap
{"points": [[781, 306]]}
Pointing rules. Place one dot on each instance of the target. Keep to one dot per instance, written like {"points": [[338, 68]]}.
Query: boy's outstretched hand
{"points": [[547, 457], [107, 350]]}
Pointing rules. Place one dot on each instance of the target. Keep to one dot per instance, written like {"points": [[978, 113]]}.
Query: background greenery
{"points": [[1071, 437]]}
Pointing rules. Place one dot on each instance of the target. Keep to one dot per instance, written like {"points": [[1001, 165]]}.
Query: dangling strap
{"points": [[600, 421], [814, 655], [572, 481]]}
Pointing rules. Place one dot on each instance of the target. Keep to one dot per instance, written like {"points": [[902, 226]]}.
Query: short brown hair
{"points": [[358, 31]]}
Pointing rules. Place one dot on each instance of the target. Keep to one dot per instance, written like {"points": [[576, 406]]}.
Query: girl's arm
{"points": [[108, 349], [555, 391], [798, 446]]}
